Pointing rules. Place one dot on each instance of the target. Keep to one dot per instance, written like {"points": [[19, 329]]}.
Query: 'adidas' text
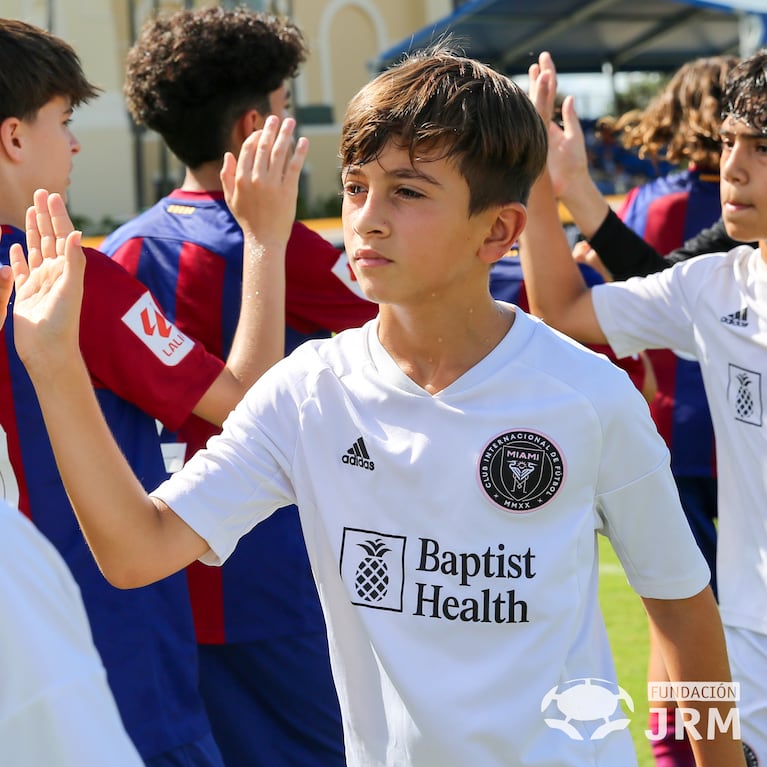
{"points": [[357, 455], [739, 318]]}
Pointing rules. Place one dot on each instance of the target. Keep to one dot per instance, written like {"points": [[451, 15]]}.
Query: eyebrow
{"points": [[407, 173], [733, 134]]}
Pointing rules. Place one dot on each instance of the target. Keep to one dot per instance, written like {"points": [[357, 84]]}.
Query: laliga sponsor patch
{"points": [[521, 470], [165, 340]]}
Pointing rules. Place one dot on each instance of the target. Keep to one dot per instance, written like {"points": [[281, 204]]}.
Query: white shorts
{"points": [[747, 651]]}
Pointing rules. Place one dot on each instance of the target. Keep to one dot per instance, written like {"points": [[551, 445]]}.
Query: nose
{"points": [[734, 165], [74, 143], [369, 218]]}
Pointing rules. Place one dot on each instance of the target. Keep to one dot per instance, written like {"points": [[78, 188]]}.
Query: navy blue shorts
{"points": [[273, 702], [698, 496]]}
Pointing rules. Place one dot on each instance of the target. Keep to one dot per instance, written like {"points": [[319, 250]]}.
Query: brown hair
{"points": [[682, 123], [746, 92], [36, 66], [439, 100]]}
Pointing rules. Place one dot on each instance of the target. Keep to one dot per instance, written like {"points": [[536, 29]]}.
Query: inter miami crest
{"points": [[521, 470]]}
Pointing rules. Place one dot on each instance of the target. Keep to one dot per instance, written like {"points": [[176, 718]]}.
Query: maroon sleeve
{"points": [[131, 349]]}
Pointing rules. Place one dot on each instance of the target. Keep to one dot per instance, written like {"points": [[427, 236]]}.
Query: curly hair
{"points": [[682, 122], [438, 100], [36, 66], [746, 93], [192, 73]]}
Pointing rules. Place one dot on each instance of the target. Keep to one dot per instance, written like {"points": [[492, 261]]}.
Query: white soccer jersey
{"points": [[453, 538], [715, 308], [55, 706]]}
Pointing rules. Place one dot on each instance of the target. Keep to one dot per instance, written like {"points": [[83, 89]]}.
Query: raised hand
{"points": [[567, 159], [543, 85], [261, 186], [49, 285]]}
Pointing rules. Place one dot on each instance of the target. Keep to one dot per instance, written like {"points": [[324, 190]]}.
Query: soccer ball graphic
{"points": [[587, 700]]}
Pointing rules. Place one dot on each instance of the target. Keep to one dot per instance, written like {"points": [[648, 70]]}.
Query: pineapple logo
{"points": [[372, 579], [744, 402], [744, 393], [372, 567]]}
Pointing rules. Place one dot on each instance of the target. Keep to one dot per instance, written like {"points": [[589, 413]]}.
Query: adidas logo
{"points": [[357, 455], [739, 318]]}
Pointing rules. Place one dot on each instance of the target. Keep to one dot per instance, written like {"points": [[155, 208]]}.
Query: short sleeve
{"points": [[132, 349]]}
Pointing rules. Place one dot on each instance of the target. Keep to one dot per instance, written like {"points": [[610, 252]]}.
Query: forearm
{"points": [[692, 643], [131, 539], [586, 204], [623, 251], [553, 282]]}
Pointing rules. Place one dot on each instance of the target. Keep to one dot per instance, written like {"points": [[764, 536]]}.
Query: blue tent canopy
{"points": [[587, 35]]}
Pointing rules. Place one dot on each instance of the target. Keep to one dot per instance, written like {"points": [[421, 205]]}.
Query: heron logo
{"points": [[586, 708]]}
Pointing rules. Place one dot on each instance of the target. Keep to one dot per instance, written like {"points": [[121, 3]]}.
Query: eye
{"points": [[351, 189], [409, 193]]}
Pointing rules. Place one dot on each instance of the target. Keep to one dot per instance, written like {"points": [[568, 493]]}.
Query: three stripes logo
{"points": [[739, 319], [357, 455]]}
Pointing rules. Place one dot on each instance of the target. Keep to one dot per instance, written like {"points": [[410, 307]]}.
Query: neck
{"points": [[435, 347], [204, 178]]}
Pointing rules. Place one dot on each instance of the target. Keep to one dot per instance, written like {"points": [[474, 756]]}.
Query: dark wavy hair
{"points": [[192, 73], [746, 92], [36, 66], [682, 122], [439, 100]]}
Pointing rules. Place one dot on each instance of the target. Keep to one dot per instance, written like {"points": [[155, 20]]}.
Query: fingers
{"points": [[34, 250], [47, 226], [543, 85], [570, 121], [6, 286], [19, 265]]}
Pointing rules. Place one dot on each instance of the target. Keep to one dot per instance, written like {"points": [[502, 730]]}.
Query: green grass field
{"points": [[627, 627]]}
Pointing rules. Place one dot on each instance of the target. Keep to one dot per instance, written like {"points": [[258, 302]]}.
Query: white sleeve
{"points": [[637, 503], [55, 705], [653, 312], [242, 476], [647, 527]]}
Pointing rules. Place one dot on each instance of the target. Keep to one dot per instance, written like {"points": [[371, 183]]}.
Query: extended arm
{"points": [[135, 539], [692, 643], [555, 288], [266, 218]]}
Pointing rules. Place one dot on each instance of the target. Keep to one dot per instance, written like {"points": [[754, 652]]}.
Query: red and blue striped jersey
{"points": [[188, 250], [666, 212], [142, 368]]}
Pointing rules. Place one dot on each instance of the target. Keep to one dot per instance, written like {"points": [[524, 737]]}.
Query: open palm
{"points": [[49, 283]]}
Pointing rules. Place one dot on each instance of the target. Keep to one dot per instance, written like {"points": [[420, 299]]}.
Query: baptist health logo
{"points": [[592, 707]]}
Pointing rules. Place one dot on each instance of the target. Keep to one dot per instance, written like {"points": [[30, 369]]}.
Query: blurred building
{"points": [[121, 170]]}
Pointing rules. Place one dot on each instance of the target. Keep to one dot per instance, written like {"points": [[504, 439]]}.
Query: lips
{"points": [[367, 257]]}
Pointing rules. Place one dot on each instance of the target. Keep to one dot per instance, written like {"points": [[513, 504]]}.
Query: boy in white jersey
{"points": [[713, 307], [453, 460]]}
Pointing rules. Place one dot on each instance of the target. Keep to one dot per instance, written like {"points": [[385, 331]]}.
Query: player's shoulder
{"points": [[575, 366]]}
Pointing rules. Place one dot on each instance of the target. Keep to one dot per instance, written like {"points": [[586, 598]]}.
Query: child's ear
{"points": [[10, 137], [248, 122], [508, 223]]}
